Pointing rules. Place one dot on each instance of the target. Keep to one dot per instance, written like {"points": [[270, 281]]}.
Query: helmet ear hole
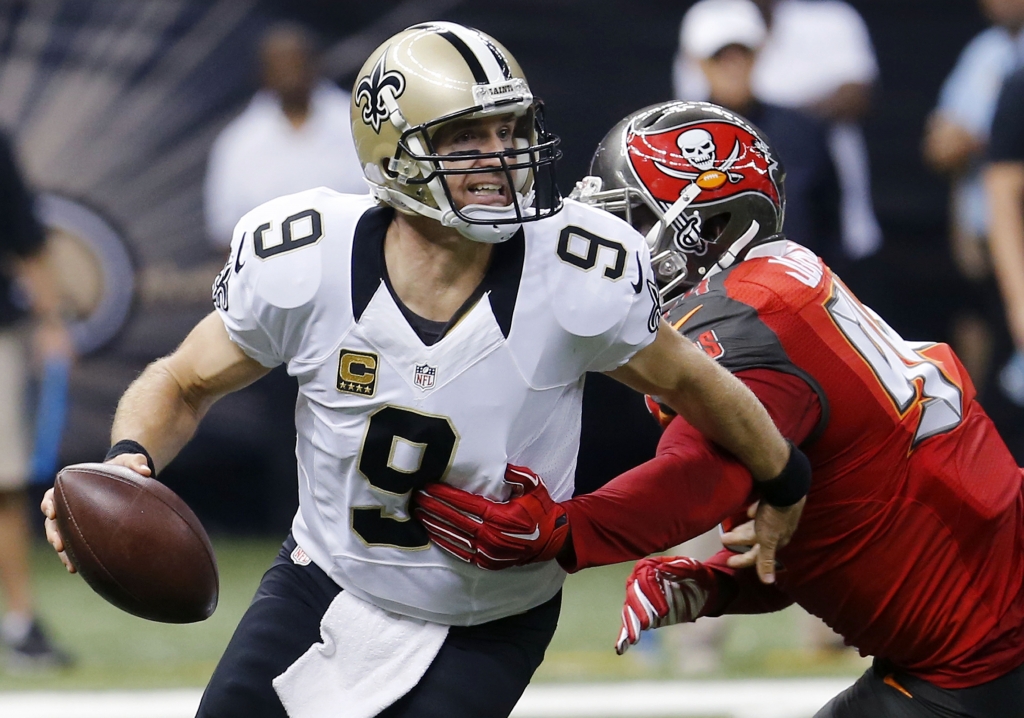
{"points": [[713, 227]]}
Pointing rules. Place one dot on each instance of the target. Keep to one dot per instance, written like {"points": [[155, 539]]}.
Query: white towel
{"points": [[369, 659]]}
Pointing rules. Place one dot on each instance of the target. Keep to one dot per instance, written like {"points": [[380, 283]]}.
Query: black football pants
{"points": [[480, 671], [883, 692]]}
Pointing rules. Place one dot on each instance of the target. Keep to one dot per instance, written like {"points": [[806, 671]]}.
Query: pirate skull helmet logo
{"points": [[698, 146], [711, 180]]}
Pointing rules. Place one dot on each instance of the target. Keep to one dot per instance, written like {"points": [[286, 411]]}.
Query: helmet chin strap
{"points": [[486, 233], [724, 262], [737, 247], [686, 198]]}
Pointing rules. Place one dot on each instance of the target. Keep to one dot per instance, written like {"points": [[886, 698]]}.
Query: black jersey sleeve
{"points": [[1006, 143]]}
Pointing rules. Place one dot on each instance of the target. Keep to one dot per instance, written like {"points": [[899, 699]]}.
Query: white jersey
{"points": [[379, 413]]}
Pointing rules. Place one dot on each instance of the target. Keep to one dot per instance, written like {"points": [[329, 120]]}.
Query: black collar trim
{"points": [[503, 278], [368, 270], [368, 256]]}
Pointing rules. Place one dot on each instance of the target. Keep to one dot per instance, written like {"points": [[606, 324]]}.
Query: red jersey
{"points": [[911, 544]]}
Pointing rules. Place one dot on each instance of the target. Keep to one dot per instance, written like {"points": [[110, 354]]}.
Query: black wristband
{"points": [[127, 446], [792, 483]]}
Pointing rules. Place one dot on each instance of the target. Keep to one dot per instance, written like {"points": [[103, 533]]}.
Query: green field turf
{"points": [[116, 650]]}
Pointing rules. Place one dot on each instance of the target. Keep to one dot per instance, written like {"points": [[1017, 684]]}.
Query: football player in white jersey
{"points": [[440, 329]]}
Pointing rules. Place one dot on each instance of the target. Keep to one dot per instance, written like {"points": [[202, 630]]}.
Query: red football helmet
{"points": [[704, 185]]}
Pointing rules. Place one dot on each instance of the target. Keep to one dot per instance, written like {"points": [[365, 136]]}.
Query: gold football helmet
{"points": [[433, 73]]}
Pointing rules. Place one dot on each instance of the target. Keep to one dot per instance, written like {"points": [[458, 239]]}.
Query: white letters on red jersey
{"points": [[380, 413]]}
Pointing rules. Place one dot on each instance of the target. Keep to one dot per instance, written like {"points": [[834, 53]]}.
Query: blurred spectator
{"points": [[956, 136], [1004, 182], [958, 128], [294, 135], [817, 57], [25, 278], [723, 37]]}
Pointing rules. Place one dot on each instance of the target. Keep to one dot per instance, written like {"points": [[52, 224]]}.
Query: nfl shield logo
{"points": [[425, 374]]}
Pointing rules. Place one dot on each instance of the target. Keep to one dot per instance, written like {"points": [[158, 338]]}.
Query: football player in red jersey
{"points": [[912, 539]]}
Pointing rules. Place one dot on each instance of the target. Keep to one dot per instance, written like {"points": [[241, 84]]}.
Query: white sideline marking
{"points": [[782, 698], [100, 704]]}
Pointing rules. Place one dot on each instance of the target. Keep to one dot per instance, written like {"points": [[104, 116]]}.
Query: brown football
{"points": [[136, 543]]}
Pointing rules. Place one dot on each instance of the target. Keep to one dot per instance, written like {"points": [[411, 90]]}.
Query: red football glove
{"points": [[662, 414], [527, 528], [664, 590]]}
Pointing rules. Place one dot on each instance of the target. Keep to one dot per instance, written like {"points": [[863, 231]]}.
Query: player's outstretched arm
{"points": [[688, 488], [162, 408], [728, 413], [710, 398]]}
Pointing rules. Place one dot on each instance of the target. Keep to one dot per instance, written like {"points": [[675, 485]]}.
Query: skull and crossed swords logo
{"points": [[689, 161], [698, 147]]}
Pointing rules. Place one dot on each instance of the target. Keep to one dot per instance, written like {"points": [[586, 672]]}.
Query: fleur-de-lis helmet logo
{"points": [[371, 90]]}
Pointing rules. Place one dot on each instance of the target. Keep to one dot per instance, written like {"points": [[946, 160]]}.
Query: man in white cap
{"points": [[816, 57], [724, 38]]}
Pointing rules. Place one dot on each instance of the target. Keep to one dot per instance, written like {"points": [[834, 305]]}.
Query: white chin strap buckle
{"points": [[482, 214], [686, 197], [486, 233]]}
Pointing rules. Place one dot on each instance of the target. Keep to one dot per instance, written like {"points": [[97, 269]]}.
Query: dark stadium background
{"points": [[115, 105]]}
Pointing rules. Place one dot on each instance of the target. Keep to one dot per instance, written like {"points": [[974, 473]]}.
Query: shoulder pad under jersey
{"points": [[790, 270], [727, 324], [599, 269], [276, 268], [281, 243]]}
